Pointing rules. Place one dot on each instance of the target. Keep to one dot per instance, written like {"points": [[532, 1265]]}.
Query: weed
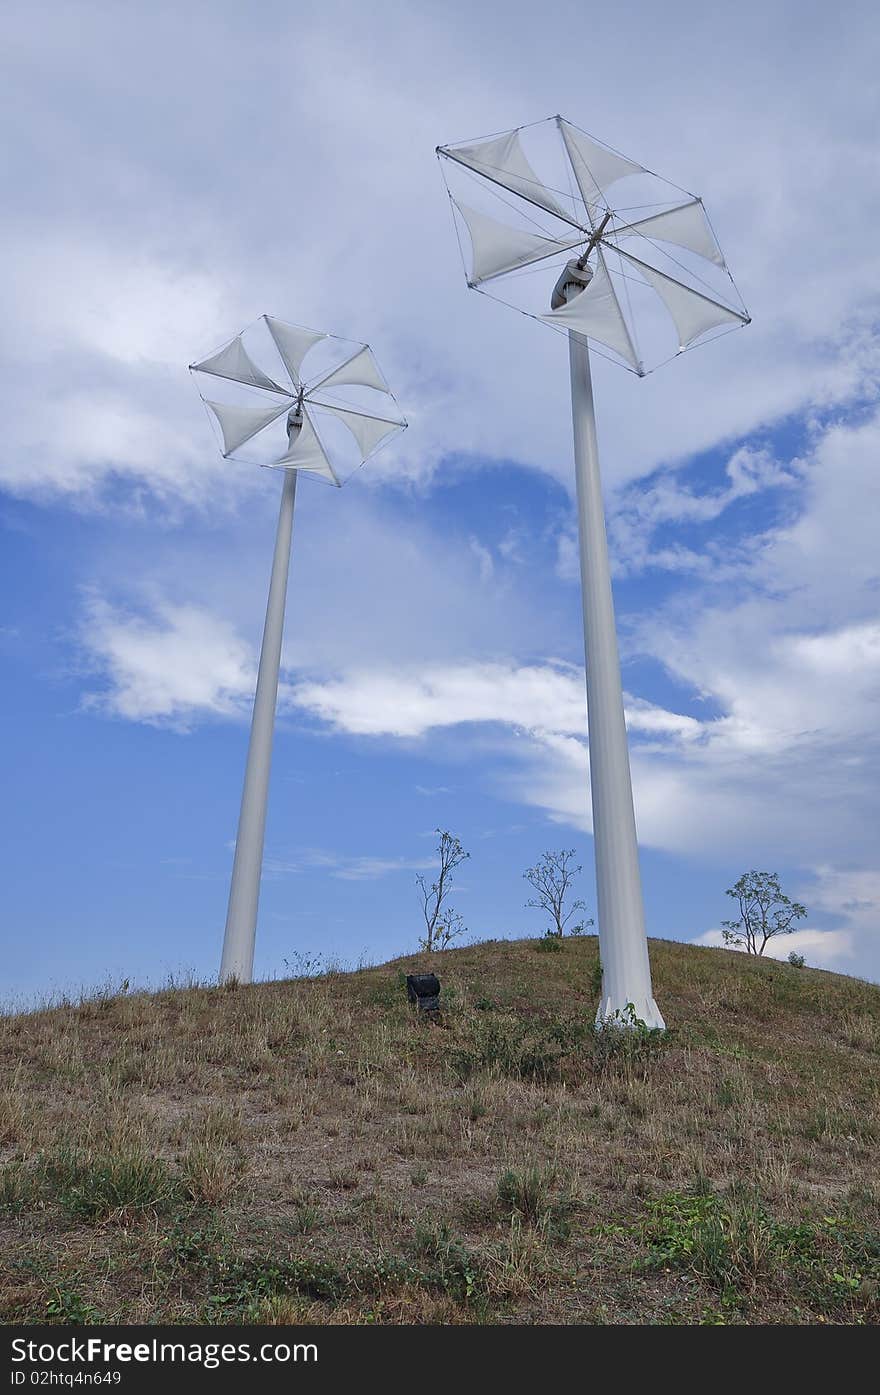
{"points": [[455, 1270], [67, 1306], [304, 965], [208, 1175], [476, 1109], [731, 1241], [595, 979], [861, 1030], [342, 1178], [19, 1186], [528, 1198], [124, 1186], [526, 1194], [305, 1218], [240, 1287], [525, 1048], [621, 1036]]}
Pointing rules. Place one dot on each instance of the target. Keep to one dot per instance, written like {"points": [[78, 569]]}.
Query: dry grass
{"points": [[309, 1151]]}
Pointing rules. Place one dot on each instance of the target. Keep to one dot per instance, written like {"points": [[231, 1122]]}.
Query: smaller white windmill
{"points": [[276, 412]]}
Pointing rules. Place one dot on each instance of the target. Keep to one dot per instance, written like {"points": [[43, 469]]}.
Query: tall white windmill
{"points": [[641, 278], [272, 416]]}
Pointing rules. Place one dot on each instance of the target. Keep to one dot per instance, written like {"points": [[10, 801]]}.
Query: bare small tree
{"points": [[764, 912], [551, 879], [442, 924]]}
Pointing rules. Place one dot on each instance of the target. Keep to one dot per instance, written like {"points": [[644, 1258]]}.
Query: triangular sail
{"points": [[293, 343], [235, 362], [693, 313], [498, 248], [361, 370], [596, 313], [686, 226], [239, 424], [306, 453], [595, 166], [368, 431], [503, 160]]}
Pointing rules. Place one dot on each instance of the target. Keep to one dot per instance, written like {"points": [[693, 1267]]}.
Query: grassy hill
{"points": [[309, 1151]]}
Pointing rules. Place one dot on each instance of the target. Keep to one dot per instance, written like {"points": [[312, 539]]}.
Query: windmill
{"points": [[275, 416], [638, 277]]}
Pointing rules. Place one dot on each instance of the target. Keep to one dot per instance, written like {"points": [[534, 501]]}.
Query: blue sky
{"points": [[176, 175]]}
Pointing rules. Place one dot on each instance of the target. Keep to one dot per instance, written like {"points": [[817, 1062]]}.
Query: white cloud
{"points": [[396, 703], [484, 559], [846, 902], [154, 307], [180, 665], [823, 949], [567, 561], [348, 869], [642, 510], [547, 699], [149, 235], [786, 669], [847, 898]]}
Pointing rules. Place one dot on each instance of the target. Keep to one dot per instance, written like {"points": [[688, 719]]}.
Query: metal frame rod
{"points": [[623, 945], [244, 893]]}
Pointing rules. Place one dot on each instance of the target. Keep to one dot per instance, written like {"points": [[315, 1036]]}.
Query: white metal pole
{"points": [[244, 893], [623, 945]]}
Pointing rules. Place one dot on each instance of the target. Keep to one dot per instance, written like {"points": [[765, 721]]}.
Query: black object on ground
{"points": [[424, 989]]}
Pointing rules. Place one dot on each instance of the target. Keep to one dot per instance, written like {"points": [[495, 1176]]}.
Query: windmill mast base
{"points": [[627, 997], [244, 894]]}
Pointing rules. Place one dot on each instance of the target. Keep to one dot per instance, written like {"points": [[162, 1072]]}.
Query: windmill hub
{"points": [[295, 419], [574, 279]]}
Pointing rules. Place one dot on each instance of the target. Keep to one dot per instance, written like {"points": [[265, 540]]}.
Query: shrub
{"points": [[550, 943], [624, 1037]]}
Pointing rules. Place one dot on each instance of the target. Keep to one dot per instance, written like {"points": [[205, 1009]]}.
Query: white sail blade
{"points": [[596, 313], [368, 431], [239, 424], [693, 313], [503, 160], [361, 370], [686, 226], [498, 248], [306, 453], [595, 167], [235, 362], [293, 343]]}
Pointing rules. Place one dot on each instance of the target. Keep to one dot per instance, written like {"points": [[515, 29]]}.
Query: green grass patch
{"points": [[121, 1185]]}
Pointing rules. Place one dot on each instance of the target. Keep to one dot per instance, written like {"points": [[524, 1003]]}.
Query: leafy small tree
{"points": [[764, 912], [442, 924], [551, 880]]}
